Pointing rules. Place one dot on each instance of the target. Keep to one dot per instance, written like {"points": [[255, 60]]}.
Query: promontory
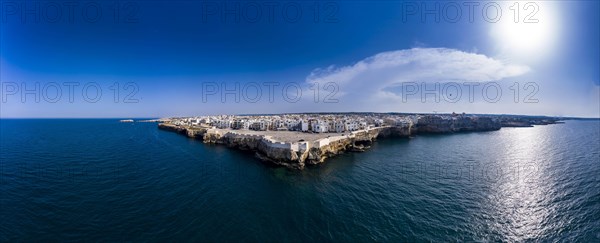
{"points": [[298, 140]]}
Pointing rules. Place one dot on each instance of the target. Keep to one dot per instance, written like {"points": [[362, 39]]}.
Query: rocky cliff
{"points": [[295, 154], [302, 153], [439, 124]]}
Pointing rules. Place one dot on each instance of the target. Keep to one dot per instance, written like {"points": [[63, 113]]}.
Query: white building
{"points": [[340, 126], [304, 126], [292, 124], [320, 127]]}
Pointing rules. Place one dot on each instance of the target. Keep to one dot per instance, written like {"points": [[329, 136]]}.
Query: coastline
{"points": [[309, 149], [297, 149]]}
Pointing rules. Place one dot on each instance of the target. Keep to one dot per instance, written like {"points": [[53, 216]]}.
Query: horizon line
{"points": [[292, 113]]}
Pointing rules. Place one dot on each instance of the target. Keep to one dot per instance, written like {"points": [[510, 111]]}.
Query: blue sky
{"points": [[168, 54]]}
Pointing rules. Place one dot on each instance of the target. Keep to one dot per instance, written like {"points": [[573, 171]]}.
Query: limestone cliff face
{"points": [[190, 132], [171, 127], [262, 145], [435, 124], [212, 138], [327, 148], [281, 156], [319, 154], [293, 155]]}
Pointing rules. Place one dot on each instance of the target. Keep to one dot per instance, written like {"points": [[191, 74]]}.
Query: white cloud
{"points": [[370, 80], [419, 64]]}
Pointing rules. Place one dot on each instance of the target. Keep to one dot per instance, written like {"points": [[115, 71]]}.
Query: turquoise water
{"points": [[99, 179]]}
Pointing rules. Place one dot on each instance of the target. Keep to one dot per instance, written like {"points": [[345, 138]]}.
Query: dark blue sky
{"points": [[169, 49]]}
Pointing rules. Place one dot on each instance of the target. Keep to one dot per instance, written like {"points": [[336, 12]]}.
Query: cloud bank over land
{"points": [[388, 69], [374, 83]]}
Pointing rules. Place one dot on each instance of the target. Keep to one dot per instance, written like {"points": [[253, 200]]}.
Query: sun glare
{"points": [[526, 30]]}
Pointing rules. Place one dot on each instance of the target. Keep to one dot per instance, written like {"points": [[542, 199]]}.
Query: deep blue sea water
{"points": [[101, 180]]}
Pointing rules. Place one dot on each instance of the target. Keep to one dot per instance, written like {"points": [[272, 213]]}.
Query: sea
{"points": [[102, 180]]}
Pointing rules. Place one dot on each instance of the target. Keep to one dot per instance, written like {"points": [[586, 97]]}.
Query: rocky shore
{"points": [[296, 149], [438, 124], [281, 150]]}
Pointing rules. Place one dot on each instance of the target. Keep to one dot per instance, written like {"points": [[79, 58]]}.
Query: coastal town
{"points": [[295, 140], [349, 122], [325, 123]]}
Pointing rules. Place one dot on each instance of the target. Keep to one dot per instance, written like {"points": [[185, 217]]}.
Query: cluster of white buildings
{"points": [[317, 123]]}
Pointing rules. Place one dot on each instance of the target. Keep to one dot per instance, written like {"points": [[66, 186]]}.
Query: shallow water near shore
{"points": [[104, 180]]}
